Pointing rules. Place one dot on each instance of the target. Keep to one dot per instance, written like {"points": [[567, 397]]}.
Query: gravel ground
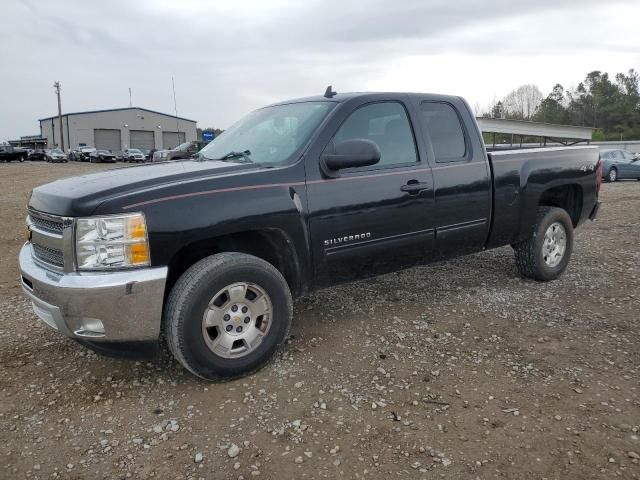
{"points": [[456, 370]]}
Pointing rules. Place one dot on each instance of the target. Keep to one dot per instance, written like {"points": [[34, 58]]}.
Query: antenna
{"points": [[329, 93], [130, 96]]}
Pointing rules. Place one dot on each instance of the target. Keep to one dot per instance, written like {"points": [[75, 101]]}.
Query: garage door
{"points": [[172, 139], [142, 139], [107, 139]]}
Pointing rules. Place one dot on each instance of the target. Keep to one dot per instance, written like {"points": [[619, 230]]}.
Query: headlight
{"points": [[117, 241]]}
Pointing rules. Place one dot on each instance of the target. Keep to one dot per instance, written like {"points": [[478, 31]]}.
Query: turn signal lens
{"points": [[138, 254], [137, 228]]}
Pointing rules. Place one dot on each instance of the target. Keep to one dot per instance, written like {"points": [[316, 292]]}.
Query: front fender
{"points": [[181, 214]]}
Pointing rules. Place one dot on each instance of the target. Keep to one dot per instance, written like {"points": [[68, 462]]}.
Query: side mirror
{"points": [[358, 152]]}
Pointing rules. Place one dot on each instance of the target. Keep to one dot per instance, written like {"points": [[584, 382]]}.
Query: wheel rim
{"points": [[554, 244], [237, 320], [613, 175]]}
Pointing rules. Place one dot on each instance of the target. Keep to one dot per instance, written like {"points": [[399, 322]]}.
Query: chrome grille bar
{"points": [[52, 239]]}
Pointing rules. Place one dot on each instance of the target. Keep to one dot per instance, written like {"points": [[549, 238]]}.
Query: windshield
{"points": [[269, 135], [134, 150], [56, 150]]}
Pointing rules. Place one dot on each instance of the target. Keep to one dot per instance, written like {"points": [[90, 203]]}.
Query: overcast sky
{"points": [[229, 57]]}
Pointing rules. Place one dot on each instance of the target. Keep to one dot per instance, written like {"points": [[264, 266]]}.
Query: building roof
{"points": [[534, 129], [117, 110]]}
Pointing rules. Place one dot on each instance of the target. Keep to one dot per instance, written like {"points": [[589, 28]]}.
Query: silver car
{"points": [[134, 155], [619, 164], [55, 155]]}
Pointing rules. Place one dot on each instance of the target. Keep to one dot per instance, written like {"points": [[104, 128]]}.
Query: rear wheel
{"points": [[613, 175], [545, 255], [227, 315]]}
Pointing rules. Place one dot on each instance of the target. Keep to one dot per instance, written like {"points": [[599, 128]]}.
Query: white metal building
{"points": [[118, 129]]}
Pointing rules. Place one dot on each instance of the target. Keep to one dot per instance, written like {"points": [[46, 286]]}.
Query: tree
{"points": [[610, 106], [522, 103], [553, 108], [497, 111]]}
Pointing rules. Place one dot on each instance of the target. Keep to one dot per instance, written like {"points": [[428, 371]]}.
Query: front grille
{"points": [[47, 223], [48, 238], [49, 255]]}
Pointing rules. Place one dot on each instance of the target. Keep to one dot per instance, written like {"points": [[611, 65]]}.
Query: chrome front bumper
{"points": [[102, 306]]}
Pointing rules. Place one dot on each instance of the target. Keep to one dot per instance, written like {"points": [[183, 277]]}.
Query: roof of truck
{"points": [[344, 96]]}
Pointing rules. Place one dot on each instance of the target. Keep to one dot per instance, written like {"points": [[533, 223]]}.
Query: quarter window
{"points": [[388, 126], [445, 131]]}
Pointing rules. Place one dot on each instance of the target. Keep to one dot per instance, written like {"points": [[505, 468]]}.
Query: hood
{"points": [[80, 196]]}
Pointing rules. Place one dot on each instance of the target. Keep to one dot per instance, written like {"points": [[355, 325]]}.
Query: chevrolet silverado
{"points": [[208, 253]]}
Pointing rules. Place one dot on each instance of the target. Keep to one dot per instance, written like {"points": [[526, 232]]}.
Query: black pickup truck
{"points": [[9, 153], [296, 196]]}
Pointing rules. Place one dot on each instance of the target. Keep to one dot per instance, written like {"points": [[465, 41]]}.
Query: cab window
{"points": [[444, 130], [386, 124]]}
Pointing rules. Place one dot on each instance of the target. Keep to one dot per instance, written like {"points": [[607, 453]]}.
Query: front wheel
{"points": [[227, 315], [545, 255], [613, 175]]}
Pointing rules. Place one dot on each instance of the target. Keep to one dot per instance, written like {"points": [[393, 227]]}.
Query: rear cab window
{"points": [[442, 128]]}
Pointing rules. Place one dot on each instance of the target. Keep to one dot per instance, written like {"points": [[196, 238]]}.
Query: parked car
{"points": [[55, 155], [134, 155], [619, 164], [119, 156], [102, 156], [145, 152], [37, 155], [9, 153], [297, 196], [185, 150]]}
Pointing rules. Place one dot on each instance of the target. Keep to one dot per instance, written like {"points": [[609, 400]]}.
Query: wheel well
{"points": [[567, 197], [269, 245]]}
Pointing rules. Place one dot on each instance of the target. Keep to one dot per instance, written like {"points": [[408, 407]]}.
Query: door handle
{"points": [[413, 186]]}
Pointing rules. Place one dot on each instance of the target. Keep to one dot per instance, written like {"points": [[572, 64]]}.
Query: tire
{"points": [[531, 254], [21, 159], [612, 176], [192, 344]]}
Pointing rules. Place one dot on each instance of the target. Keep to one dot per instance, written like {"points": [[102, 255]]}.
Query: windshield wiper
{"points": [[232, 155]]}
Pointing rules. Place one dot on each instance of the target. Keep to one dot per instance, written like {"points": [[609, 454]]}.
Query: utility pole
{"points": [[175, 106], [56, 85], [130, 96]]}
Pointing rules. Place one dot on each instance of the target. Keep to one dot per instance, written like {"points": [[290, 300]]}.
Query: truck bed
{"points": [[521, 178]]}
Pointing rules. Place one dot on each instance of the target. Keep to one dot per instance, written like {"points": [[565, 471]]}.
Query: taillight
{"points": [[599, 174]]}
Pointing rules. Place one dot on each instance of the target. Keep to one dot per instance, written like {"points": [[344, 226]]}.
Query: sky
{"points": [[230, 57]]}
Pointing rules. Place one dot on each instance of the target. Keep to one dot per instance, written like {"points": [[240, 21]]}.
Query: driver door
{"points": [[375, 219]]}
